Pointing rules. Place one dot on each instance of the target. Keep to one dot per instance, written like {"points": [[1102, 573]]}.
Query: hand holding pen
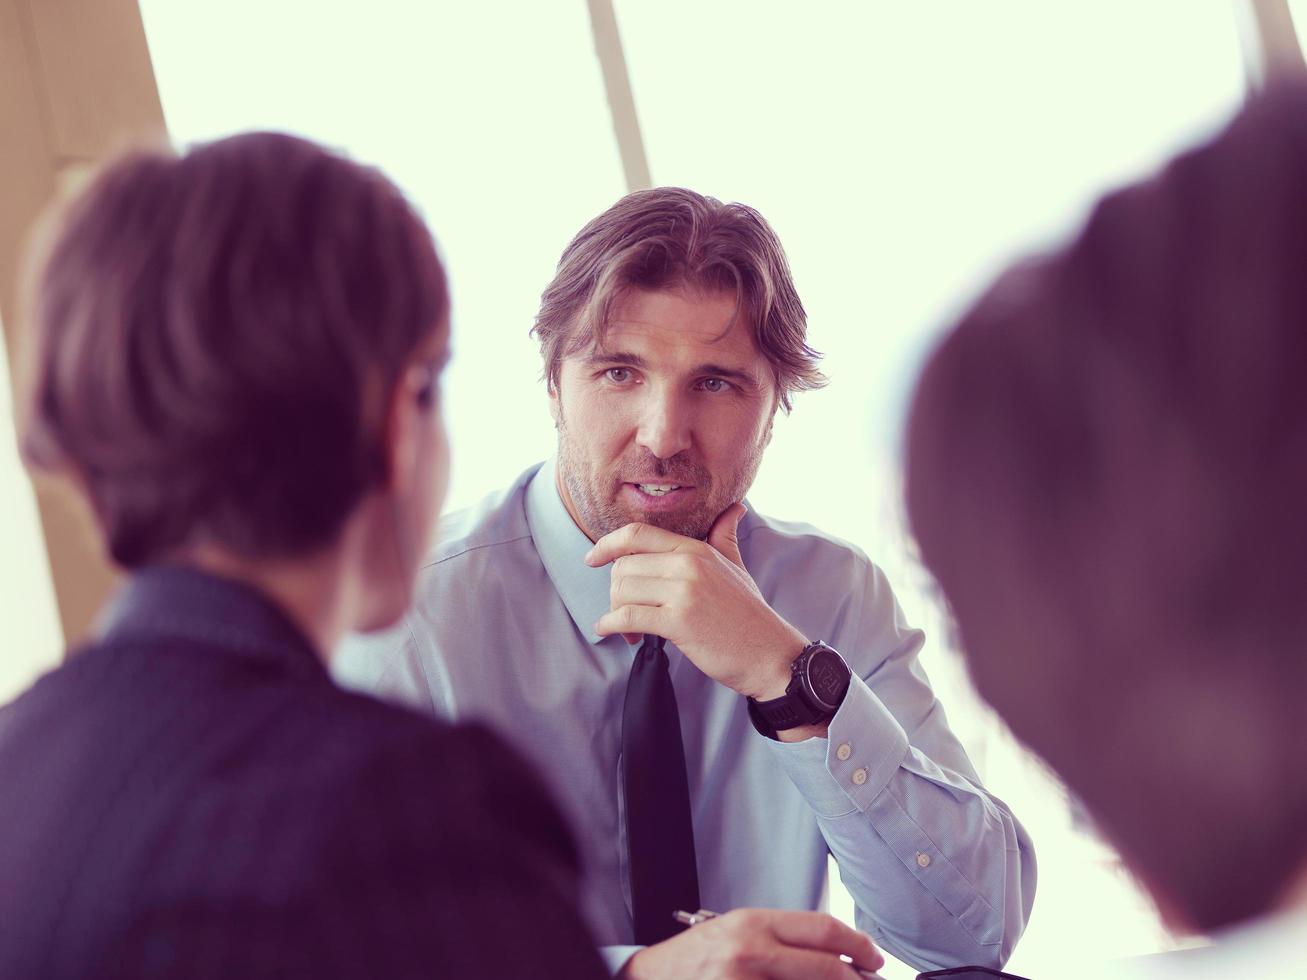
{"points": [[812, 938]]}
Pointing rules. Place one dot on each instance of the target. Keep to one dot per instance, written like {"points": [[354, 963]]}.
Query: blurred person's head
{"points": [[1107, 474], [671, 333], [235, 356]]}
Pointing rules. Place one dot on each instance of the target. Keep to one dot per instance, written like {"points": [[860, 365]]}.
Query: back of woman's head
{"points": [[214, 338]]}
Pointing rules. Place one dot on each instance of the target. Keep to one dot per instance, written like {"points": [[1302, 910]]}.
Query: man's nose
{"points": [[665, 425]]}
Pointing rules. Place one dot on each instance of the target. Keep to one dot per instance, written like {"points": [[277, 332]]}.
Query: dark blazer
{"points": [[191, 796]]}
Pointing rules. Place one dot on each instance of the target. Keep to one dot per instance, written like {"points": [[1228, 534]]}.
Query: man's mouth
{"points": [[659, 493], [657, 489]]}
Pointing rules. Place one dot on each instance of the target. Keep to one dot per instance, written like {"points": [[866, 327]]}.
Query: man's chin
{"points": [[689, 525], [692, 522]]}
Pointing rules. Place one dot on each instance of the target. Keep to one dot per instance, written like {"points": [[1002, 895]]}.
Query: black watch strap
{"points": [[778, 714], [793, 708]]}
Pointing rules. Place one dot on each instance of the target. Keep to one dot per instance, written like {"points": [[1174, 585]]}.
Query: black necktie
{"points": [[659, 834]]}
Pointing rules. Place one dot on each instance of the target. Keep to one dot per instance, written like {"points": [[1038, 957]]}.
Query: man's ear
{"points": [[555, 410]]}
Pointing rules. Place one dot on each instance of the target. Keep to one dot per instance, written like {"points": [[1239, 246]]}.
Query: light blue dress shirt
{"points": [[501, 629]]}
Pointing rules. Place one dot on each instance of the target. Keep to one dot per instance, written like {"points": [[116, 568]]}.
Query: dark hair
{"points": [[669, 238], [215, 338], [1107, 474]]}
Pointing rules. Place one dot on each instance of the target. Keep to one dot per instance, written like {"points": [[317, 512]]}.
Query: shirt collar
{"points": [[562, 547], [174, 602]]}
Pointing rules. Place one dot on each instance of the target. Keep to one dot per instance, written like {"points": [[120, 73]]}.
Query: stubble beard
{"points": [[593, 492]]}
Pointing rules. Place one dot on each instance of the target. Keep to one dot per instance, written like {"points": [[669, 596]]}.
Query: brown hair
{"points": [[1107, 470], [669, 238], [214, 335]]}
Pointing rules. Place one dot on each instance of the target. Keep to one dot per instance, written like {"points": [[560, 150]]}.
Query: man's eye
{"points": [[618, 375], [715, 385]]}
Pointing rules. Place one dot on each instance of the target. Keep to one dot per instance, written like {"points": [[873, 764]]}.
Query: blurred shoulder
{"points": [[478, 555], [497, 519]]}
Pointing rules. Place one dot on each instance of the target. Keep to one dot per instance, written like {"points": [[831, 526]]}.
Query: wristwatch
{"points": [[819, 679]]}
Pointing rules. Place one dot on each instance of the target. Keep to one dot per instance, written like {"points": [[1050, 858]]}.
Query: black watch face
{"points": [[828, 677]]}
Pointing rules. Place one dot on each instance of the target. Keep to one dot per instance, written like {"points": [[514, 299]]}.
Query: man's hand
{"points": [[758, 944], [700, 597]]}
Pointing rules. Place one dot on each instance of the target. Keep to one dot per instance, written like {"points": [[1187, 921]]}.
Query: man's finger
{"points": [[635, 539], [818, 931], [790, 963], [662, 565], [641, 590], [631, 619]]}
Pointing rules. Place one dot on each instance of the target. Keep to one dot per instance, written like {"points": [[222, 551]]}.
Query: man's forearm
{"points": [[941, 872]]}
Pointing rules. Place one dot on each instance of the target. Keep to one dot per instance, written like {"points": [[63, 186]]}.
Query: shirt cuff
{"points": [[615, 957], [847, 770]]}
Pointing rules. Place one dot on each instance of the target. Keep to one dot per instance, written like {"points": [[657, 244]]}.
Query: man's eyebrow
{"points": [[746, 378], [595, 358]]}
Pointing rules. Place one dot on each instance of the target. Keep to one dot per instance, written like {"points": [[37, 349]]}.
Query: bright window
{"points": [[492, 119], [1298, 11]]}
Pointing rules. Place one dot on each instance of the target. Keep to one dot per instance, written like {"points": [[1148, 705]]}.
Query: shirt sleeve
{"points": [[615, 957], [941, 872]]}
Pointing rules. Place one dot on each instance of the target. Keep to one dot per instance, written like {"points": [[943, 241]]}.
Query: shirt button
{"points": [[923, 860], [859, 776], [843, 752]]}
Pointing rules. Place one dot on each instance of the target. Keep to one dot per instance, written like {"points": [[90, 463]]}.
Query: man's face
{"points": [[666, 421]]}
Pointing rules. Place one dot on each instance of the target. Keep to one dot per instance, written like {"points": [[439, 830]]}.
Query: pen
{"points": [[703, 915]]}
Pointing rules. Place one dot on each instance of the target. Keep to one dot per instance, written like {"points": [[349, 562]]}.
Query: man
{"points": [[1107, 468], [671, 335], [236, 359]]}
